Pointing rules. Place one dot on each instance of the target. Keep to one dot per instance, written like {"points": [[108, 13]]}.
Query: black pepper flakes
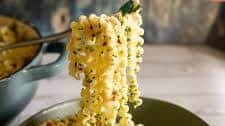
{"points": [[75, 64], [74, 52], [80, 66], [101, 53], [104, 43], [91, 27], [114, 55], [118, 41], [89, 81], [99, 25]]}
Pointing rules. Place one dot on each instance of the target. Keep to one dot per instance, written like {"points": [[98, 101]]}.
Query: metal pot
{"points": [[18, 89], [153, 112]]}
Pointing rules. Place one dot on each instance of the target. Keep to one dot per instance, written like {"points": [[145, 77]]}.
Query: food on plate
{"points": [[14, 59], [105, 52]]}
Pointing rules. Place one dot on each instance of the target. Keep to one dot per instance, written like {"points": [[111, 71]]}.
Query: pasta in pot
{"points": [[105, 52], [14, 59]]}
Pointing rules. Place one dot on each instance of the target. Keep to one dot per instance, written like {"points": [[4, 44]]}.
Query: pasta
{"points": [[13, 59], [105, 52]]}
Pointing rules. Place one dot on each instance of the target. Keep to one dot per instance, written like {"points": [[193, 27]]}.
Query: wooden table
{"points": [[190, 76]]}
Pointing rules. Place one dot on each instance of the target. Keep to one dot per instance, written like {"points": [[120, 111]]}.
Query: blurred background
{"points": [[184, 59], [165, 21]]}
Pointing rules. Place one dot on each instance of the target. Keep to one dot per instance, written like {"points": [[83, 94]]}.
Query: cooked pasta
{"points": [[13, 59], [105, 52]]}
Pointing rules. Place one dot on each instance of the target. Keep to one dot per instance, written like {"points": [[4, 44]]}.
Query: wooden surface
{"points": [[190, 76]]}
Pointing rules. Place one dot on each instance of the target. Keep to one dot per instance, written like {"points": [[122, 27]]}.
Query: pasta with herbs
{"points": [[105, 52]]}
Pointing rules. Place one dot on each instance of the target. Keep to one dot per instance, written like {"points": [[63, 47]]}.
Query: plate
{"points": [[153, 112]]}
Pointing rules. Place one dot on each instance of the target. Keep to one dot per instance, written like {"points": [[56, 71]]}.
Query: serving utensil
{"points": [[47, 39]]}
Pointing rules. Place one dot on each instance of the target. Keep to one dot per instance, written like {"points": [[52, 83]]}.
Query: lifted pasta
{"points": [[107, 51]]}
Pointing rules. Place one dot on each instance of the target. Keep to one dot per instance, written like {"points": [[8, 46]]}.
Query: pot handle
{"points": [[44, 71]]}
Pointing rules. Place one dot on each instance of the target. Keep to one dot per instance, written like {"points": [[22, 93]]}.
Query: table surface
{"points": [[190, 76]]}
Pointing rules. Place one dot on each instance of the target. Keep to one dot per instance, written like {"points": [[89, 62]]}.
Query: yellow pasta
{"points": [[105, 52]]}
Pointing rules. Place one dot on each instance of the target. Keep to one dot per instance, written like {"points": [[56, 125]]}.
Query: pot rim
{"points": [[62, 104], [38, 53]]}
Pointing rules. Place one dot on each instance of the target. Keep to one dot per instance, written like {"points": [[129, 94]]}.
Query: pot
{"points": [[153, 112], [18, 89]]}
